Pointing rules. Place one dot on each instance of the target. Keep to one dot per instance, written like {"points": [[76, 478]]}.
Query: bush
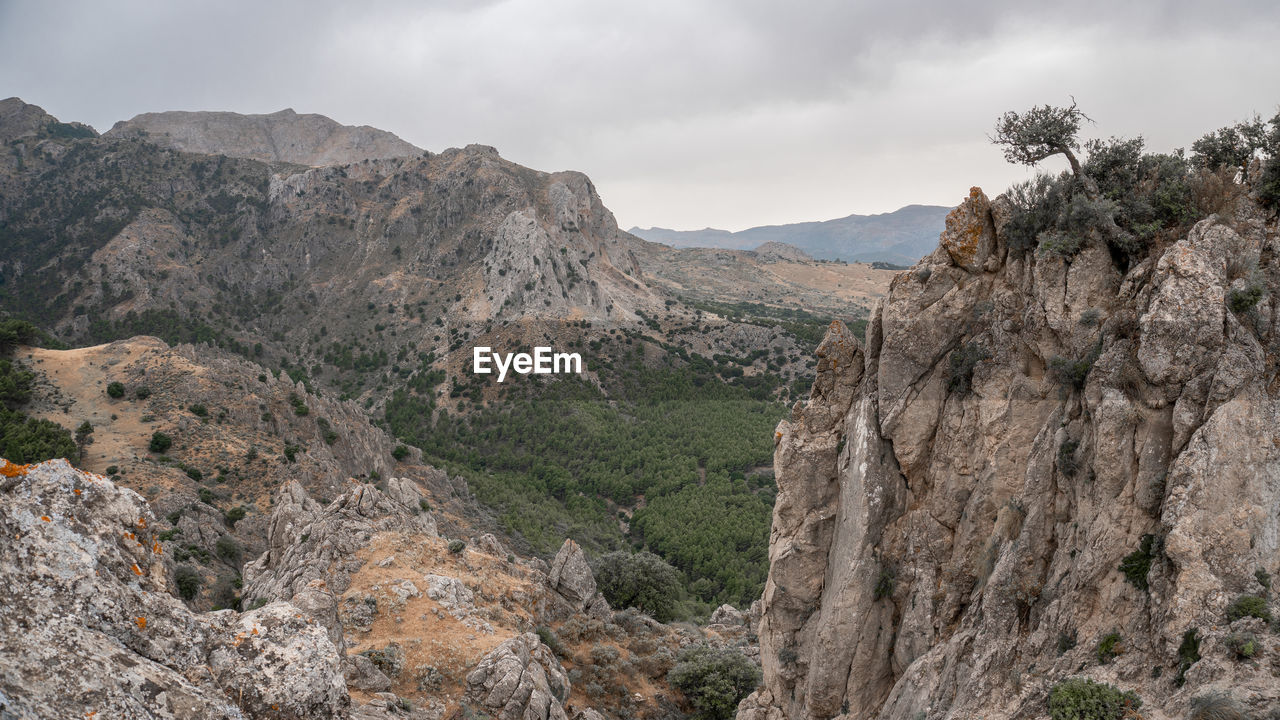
{"points": [[188, 581], [224, 595], [884, 584], [1245, 645], [400, 452], [199, 410], [206, 496], [1109, 648], [1080, 699], [160, 442], [1241, 299], [228, 549], [1188, 655], [1068, 465], [423, 505], [235, 515], [457, 546], [642, 580], [1215, 706], [194, 474], [551, 640], [963, 360], [142, 392], [115, 390], [1137, 564], [1248, 606], [714, 680]]}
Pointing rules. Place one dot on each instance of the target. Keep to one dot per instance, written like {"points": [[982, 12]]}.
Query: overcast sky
{"points": [[685, 113]]}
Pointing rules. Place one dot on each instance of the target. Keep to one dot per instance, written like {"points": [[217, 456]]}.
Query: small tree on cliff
{"points": [[1042, 132]]}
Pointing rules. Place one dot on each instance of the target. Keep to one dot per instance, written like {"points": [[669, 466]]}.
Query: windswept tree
{"points": [[1042, 132]]}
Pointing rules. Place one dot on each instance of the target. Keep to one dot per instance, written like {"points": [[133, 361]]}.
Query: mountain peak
{"points": [[282, 136]]}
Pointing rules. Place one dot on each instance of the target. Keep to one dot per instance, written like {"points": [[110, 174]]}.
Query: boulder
{"points": [[571, 576], [521, 679]]}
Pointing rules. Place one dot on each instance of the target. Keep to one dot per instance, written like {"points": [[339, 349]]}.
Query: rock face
{"points": [[283, 136], [957, 497], [571, 576], [521, 679], [327, 540], [88, 627]]}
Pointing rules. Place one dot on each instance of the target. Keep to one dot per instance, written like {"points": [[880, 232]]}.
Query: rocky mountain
{"points": [[899, 237], [284, 137], [368, 285], [358, 609], [1046, 478]]}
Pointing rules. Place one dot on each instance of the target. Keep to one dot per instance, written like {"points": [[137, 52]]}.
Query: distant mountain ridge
{"points": [[284, 136], [901, 237]]}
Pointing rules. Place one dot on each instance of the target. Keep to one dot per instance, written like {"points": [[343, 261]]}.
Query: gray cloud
{"points": [[686, 113]]}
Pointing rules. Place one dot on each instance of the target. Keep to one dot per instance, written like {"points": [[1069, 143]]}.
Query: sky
{"points": [[685, 113]]}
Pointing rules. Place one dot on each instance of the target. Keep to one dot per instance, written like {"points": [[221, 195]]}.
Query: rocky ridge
{"points": [[1034, 468], [283, 136]]}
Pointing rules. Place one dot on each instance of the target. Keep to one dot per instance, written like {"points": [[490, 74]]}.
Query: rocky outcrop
{"points": [[521, 679], [958, 496], [571, 575], [283, 136], [571, 578], [88, 627], [327, 540]]}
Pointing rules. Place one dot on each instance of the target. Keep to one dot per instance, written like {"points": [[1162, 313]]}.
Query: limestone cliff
{"points": [[960, 494], [283, 136]]}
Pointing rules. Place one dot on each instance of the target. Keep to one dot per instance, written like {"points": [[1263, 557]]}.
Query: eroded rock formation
{"points": [[957, 497]]}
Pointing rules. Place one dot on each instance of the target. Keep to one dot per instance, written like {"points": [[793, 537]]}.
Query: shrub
{"points": [[1067, 462], [1241, 299], [199, 410], [188, 581], [714, 680], [457, 546], [112, 469], [224, 593], [641, 580], [1072, 373], [1081, 699], [1248, 606], [228, 549], [194, 474], [234, 515], [1245, 645], [1215, 706], [1188, 655], [551, 640], [423, 505], [1109, 647], [1064, 245], [115, 390], [1066, 641], [291, 452], [963, 360], [142, 392], [206, 496], [1263, 577], [884, 584], [400, 452], [1137, 564], [160, 442]]}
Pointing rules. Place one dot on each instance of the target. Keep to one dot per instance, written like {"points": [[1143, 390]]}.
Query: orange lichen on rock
{"points": [[76, 491], [45, 518], [9, 469], [137, 570], [142, 623], [156, 548]]}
